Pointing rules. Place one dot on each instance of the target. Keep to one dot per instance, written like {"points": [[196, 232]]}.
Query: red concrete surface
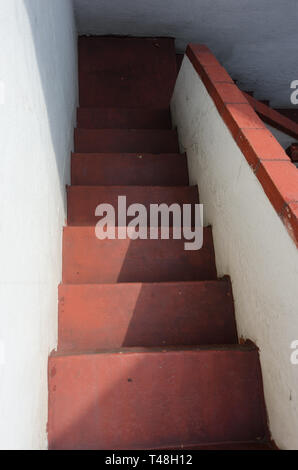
{"points": [[145, 399], [240, 116], [273, 117], [83, 200], [126, 140], [210, 72], [126, 72], [290, 113], [129, 373], [129, 169], [124, 118], [280, 182], [228, 93], [93, 317], [89, 260], [290, 218], [258, 145]]}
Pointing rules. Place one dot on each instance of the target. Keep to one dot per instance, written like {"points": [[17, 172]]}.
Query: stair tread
{"points": [[128, 154], [83, 200], [128, 187], [160, 398], [126, 140], [125, 169], [115, 117], [89, 260], [215, 348], [158, 314]]}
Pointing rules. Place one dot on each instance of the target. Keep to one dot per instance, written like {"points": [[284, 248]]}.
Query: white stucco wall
{"points": [[38, 96], [256, 40], [252, 246]]}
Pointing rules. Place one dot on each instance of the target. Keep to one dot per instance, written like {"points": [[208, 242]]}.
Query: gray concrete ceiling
{"points": [[256, 40]]}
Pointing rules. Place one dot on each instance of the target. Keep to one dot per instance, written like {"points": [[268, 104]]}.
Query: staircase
{"points": [[148, 354]]}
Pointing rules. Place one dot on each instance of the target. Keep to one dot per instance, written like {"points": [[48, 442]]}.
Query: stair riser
{"points": [[83, 201], [149, 315], [133, 169], [154, 400], [117, 118], [89, 260], [125, 140]]}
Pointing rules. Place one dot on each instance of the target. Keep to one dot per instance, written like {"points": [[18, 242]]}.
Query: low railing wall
{"points": [[249, 189]]}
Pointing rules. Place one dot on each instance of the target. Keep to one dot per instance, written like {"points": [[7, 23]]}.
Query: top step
{"points": [[126, 72]]}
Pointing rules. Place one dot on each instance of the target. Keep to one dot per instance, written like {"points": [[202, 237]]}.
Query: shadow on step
{"points": [[87, 260], [150, 399], [190, 314], [99, 317]]}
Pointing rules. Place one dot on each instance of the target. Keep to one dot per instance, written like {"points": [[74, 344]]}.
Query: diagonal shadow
{"points": [[60, 93]]}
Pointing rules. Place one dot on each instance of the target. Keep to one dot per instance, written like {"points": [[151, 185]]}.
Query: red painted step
{"points": [[129, 169], [150, 399], [126, 140], [128, 374], [124, 118], [89, 260], [82, 201], [93, 317], [126, 72], [266, 445]]}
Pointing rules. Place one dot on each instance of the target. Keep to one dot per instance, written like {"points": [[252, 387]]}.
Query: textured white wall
{"points": [[38, 96], [256, 40], [252, 245]]}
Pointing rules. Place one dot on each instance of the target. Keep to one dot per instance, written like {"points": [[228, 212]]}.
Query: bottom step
{"points": [[153, 398], [266, 445]]}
